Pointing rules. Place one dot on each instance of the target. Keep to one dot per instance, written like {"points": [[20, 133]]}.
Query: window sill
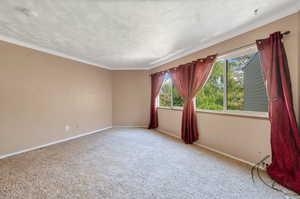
{"points": [[249, 114], [262, 115], [171, 108]]}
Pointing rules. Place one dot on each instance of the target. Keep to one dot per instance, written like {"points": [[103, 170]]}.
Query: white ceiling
{"points": [[132, 34]]}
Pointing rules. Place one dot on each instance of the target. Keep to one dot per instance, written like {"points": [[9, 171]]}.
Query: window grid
{"points": [[225, 85]]}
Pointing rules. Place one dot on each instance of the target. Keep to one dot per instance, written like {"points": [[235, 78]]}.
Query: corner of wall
{"points": [[130, 98], [298, 57]]}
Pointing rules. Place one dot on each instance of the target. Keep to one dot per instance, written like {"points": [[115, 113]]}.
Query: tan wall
{"points": [[41, 93], [242, 137], [299, 61], [131, 94], [245, 138]]}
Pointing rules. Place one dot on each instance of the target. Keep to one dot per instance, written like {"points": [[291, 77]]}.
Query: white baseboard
{"points": [[52, 143], [168, 133], [99, 130], [224, 154], [213, 150], [116, 126]]}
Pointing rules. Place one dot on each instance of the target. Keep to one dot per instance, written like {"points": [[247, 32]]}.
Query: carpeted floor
{"points": [[127, 164]]}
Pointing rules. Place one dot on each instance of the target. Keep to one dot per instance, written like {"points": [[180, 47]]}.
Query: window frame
{"points": [[158, 97], [168, 107], [233, 54], [225, 111]]}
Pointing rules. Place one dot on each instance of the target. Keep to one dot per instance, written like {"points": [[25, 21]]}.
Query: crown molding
{"points": [[56, 53], [166, 59], [49, 51], [235, 32]]}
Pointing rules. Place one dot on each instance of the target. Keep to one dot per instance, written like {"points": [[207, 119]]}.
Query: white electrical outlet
{"points": [[67, 128]]}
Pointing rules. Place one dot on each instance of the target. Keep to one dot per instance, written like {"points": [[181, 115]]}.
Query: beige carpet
{"points": [[127, 164]]}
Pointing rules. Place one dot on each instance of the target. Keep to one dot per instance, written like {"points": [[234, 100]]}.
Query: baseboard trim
{"points": [[213, 150], [52, 143], [168, 133], [224, 154]]}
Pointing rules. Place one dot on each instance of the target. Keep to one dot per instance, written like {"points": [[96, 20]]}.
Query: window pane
{"points": [[235, 82], [212, 94], [254, 87], [245, 85], [165, 93], [177, 99]]}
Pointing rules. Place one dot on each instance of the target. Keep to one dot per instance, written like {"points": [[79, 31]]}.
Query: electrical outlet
{"points": [[264, 165], [67, 128]]}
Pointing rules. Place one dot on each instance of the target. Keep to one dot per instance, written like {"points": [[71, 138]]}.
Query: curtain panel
{"points": [[285, 139], [189, 79], [156, 83]]}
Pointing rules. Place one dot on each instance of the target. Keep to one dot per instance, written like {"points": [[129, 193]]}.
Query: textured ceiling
{"points": [[131, 34]]}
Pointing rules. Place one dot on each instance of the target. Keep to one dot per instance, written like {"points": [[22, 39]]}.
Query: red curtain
{"points": [[285, 138], [189, 79], [156, 82]]}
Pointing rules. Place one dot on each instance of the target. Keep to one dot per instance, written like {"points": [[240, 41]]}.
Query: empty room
{"points": [[146, 99]]}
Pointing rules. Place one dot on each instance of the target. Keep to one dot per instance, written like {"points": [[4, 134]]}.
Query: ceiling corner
{"points": [[51, 52]]}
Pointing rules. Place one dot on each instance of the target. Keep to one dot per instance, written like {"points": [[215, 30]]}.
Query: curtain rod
{"points": [[232, 50], [247, 45]]}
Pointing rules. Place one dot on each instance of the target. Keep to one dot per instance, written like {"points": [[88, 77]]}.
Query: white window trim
{"points": [[255, 114], [248, 114], [169, 107], [158, 100], [233, 54], [225, 111]]}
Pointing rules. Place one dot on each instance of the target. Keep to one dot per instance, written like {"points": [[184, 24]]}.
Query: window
{"points": [[236, 83], [177, 99], [211, 97], [169, 96], [165, 95]]}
